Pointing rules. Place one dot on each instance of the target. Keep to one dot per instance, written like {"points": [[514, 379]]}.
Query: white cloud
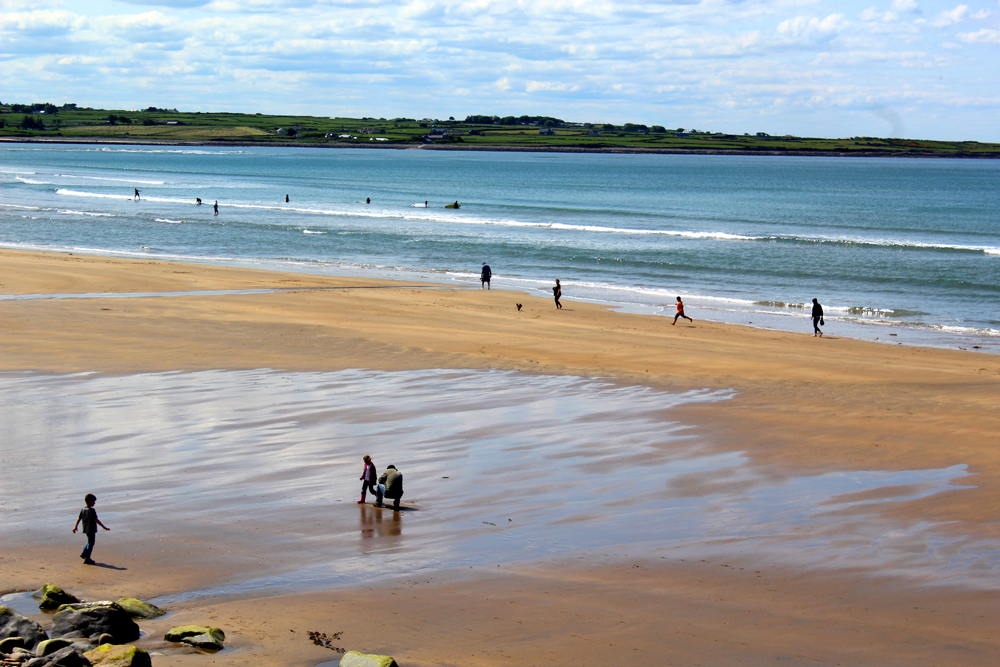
{"points": [[950, 17], [539, 86], [984, 36]]}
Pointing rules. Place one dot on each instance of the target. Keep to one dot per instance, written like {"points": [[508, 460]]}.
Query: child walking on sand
{"points": [[88, 515], [368, 477]]}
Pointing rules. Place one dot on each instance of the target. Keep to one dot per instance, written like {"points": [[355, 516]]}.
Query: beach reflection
{"points": [[499, 467], [375, 522]]}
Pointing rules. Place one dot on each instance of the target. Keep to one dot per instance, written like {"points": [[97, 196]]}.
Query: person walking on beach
{"points": [[217, 207], [680, 312], [557, 293], [485, 276], [817, 315], [368, 477], [390, 485], [136, 197], [88, 516]]}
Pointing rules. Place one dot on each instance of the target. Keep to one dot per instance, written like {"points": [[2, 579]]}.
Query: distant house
{"points": [[593, 133], [547, 131], [435, 135], [763, 134]]}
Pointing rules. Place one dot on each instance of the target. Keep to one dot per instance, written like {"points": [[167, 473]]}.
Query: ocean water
{"points": [[897, 250]]}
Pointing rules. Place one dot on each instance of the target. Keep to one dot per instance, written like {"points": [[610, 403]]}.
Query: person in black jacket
{"points": [[817, 316], [485, 276]]}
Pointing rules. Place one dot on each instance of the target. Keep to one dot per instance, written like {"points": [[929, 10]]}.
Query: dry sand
{"points": [[805, 405]]}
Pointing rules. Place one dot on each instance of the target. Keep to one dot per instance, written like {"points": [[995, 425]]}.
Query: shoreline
{"points": [[804, 407], [520, 149]]}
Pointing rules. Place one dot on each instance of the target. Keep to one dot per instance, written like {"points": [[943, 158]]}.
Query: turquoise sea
{"points": [[897, 250]]}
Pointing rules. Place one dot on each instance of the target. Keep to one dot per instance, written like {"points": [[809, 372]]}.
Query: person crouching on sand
{"points": [[680, 312], [390, 485], [368, 477]]}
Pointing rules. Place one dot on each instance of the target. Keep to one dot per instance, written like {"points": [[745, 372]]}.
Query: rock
{"points": [[10, 643], [64, 657], [85, 605], [111, 655], [140, 608], [182, 631], [51, 596], [50, 646], [12, 624], [355, 659], [92, 622], [199, 636]]}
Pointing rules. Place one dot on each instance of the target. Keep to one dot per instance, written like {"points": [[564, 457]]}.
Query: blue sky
{"points": [[928, 70]]}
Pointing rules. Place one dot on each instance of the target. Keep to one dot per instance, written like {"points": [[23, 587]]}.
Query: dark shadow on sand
{"points": [[109, 567]]}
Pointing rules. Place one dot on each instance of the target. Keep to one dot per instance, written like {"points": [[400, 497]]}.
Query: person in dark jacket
{"points": [[817, 316], [390, 485], [485, 276]]}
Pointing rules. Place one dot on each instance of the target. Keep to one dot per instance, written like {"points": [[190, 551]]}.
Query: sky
{"points": [[888, 68]]}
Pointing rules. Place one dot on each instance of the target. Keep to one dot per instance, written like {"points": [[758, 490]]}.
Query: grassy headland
{"points": [[71, 123]]}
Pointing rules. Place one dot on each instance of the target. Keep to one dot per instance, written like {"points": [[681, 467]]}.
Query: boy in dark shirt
{"points": [[88, 515]]}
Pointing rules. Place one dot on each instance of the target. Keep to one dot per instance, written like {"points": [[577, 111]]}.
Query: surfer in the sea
{"points": [[217, 207], [136, 194]]}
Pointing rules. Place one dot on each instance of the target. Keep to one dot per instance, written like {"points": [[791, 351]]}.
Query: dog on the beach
{"points": [[519, 306]]}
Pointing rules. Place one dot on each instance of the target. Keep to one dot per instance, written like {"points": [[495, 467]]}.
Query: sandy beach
{"points": [[803, 407]]}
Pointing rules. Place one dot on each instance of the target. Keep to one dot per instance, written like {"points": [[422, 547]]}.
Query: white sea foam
{"points": [[99, 195], [172, 222], [32, 181], [309, 231], [88, 213]]}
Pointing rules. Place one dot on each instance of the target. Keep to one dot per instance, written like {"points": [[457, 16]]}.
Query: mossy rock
{"points": [[199, 636], [355, 659], [50, 646], [13, 624], [140, 608], [51, 596], [114, 655], [8, 644], [89, 605]]}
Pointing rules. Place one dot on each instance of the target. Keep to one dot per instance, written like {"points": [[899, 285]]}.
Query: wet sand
{"points": [[804, 407]]}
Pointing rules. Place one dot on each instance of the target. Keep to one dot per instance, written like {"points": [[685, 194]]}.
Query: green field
{"points": [[153, 125]]}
